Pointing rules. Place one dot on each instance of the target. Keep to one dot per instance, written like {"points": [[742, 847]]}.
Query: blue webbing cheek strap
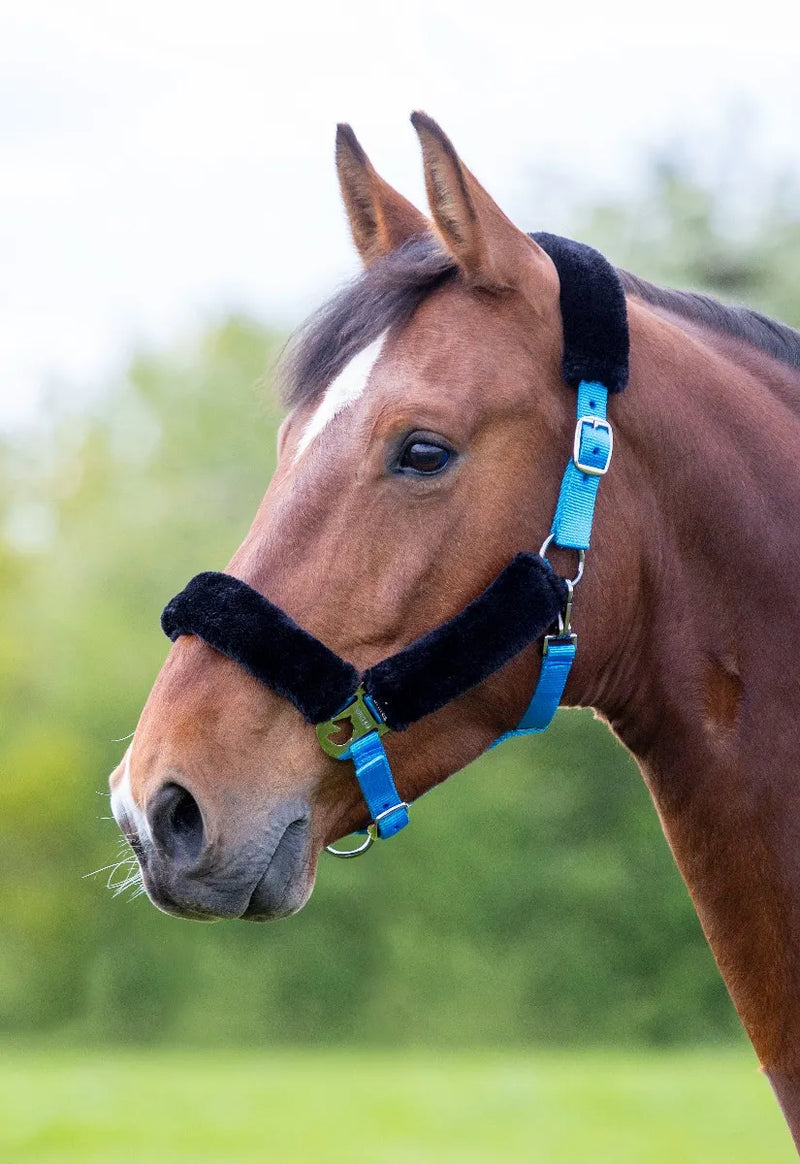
{"points": [[571, 529]]}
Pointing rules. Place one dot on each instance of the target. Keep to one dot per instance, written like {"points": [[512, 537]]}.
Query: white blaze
{"points": [[123, 804], [348, 386]]}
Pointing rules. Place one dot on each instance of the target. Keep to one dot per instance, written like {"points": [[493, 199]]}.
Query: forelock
{"points": [[384, 296]]}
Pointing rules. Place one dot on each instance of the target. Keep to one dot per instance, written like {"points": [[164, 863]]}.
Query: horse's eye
{"points": [[424, 457]]}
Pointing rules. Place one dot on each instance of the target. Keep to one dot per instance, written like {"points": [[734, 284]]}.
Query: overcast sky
{"points": [[161, 162]]}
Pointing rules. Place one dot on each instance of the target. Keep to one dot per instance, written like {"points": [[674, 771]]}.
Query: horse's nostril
{"points": [[176, 822]]}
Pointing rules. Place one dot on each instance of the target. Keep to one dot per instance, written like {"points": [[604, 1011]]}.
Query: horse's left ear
{"points": [[490, 250], [380, 218]]}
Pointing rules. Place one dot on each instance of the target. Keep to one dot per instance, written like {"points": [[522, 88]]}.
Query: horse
{"points": [[428, 424]]}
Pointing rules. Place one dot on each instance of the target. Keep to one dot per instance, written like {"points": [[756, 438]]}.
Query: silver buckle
{"points": [[561, 637], [388, 812], [596, 422], [565, 632]]}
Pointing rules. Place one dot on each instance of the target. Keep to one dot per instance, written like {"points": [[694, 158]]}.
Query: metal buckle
{"points": [[565, 619], [565, 633], [388, 812], [596, 422], [561, 637], [363, 716]]}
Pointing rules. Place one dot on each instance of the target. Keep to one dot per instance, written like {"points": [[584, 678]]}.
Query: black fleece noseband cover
{"points": [[519, 606], [511, 613], [236, 620]]}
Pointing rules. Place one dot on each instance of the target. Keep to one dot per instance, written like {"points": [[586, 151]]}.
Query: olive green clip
{"points": [[363, 717]]}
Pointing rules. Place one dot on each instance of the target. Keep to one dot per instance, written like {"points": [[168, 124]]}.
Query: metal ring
{"points": [[581, 558], [362, 848]]}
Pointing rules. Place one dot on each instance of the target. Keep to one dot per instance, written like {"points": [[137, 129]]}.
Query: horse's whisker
{"points": [[112, 865]]}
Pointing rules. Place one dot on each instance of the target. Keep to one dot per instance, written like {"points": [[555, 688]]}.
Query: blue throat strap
{"points": [[387, 811], [558, 655]]}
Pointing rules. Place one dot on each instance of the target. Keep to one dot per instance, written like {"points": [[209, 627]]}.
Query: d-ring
{"points": [[362, 848], [581, 557]]}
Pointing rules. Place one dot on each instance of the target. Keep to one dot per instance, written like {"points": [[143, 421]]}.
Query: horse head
{"points": [[422, 450]]}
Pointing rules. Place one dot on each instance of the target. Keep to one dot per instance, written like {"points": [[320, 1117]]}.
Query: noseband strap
{"points": [[352, 711], [237, 621], [514, 611]]}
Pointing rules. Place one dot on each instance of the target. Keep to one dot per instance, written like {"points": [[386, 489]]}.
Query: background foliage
{"points": [[562, 923]]}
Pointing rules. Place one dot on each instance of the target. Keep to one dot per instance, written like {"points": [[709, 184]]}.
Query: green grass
{"points": [[376, 1108]]}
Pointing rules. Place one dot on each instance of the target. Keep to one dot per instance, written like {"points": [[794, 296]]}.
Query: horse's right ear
{"points": [[490, 250], [380, 218]]}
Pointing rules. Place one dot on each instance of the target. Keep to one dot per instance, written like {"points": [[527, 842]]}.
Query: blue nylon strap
{"points": [[377, 785], [572, 529], [556, 663], [572, 524]]}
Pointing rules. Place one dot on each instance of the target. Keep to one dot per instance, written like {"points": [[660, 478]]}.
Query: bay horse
{"points": [[427, 430]]}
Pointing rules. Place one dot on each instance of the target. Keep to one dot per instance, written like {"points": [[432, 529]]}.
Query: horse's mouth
{"points": [[234, 882], [287, 882]]}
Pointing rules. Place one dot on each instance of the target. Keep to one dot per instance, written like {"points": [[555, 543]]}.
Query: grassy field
{"points": [[359, 1107]]}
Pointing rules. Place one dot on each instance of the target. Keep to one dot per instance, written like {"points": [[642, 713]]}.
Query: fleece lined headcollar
{"points": [[524, 601]]}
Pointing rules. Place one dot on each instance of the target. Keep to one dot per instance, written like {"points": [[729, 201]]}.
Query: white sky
{"points": [[164, 161]]}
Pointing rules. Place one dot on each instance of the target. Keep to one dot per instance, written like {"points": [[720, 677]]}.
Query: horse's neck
{"points": [[702, 682]]}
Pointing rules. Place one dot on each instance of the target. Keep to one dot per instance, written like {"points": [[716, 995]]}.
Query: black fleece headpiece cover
{"points": [[516, 609], [593, 312]]}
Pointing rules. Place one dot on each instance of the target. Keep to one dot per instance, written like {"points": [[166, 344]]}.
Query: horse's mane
{"points": [[387, 293], [776, 339]]}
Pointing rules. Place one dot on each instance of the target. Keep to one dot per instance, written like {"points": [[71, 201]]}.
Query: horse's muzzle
{"points": [[258, 875]]}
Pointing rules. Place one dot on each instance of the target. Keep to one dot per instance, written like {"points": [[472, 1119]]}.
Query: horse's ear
{"points": [[380, 218], [487, 246]]}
